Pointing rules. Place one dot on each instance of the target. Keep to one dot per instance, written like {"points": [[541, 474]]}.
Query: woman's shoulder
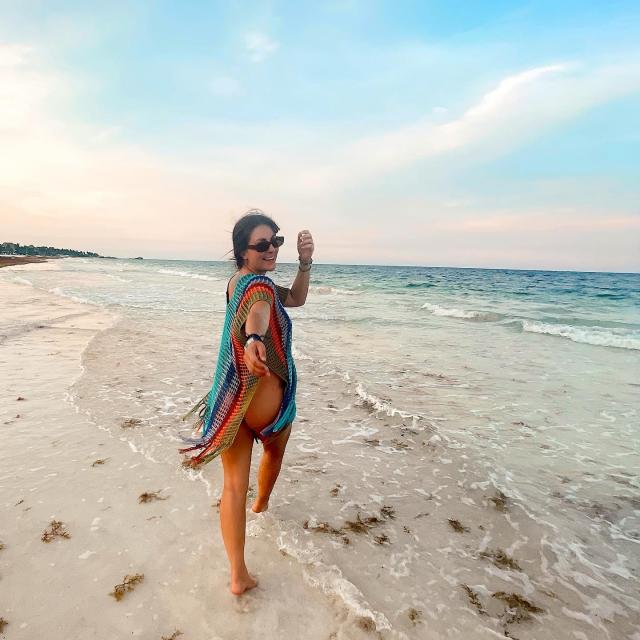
{"points": [[246, 280], [250, 278]]}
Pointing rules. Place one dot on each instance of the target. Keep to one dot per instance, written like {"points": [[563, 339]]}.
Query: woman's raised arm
{"points": [[300, 287]]}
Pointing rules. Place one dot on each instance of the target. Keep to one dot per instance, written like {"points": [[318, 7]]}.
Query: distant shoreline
{"points": [[9, 261]]}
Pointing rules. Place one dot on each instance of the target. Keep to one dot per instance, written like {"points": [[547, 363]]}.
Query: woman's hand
{"points": [[305, 244], [255, 357]]}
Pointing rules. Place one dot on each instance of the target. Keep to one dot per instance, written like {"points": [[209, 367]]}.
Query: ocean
{"points": [[466, 457]]}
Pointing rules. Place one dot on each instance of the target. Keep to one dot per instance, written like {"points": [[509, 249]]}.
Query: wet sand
{"points": [[383, 524], [78, 529]]}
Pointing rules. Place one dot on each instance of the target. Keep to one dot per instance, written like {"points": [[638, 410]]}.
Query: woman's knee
{"points": [[236, 463], [235, 488], [235, 479]]}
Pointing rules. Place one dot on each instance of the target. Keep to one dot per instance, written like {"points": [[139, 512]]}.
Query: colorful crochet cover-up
{"points": [[221, 411]]}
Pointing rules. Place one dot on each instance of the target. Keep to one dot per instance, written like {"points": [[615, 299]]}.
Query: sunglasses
{"points": [[263, 245]]}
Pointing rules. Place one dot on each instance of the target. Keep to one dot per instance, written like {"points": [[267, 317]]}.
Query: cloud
{"points": [[540, 222], [62, 181], [259, 46], [518, 108], [13, 55]]}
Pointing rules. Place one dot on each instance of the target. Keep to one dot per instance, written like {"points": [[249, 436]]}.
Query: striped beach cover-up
{"points": [[221, 411]]}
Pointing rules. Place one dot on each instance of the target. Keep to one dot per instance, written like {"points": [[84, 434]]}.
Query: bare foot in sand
{"points": [[260, 505], [242, 583]]}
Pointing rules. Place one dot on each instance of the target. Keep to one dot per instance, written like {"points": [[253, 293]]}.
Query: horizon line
{"points": [[403, 266]]}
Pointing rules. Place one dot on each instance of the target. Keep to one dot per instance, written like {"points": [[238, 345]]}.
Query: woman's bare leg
{"points": [[236, 461], [269, 469]]}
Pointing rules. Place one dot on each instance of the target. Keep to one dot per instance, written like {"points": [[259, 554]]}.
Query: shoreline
{"points": [[12, 261], [59, 466], [355, 531]]}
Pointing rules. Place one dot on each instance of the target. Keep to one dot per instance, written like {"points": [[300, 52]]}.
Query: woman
{"points": [[253, 394]]}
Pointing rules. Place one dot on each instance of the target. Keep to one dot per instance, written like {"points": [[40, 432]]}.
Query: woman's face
{"points": [[265, 261]]}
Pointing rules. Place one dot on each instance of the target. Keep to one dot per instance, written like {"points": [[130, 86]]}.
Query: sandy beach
{"points": [[461, 490], [57, 466]]}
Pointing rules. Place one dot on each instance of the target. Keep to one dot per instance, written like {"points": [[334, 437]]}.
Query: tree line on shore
{"points": [[17, 249]]}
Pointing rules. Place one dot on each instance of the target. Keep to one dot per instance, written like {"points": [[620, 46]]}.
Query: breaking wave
{"points": [[323, 291], [598, 336], [480, 316], [187, 274]]}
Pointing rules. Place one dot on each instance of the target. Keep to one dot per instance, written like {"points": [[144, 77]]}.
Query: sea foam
{"points": [[482, 316], [187, 274], [598, 336]]}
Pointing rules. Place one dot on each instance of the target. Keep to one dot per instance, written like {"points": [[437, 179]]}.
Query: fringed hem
{"points": [[201, 409]]}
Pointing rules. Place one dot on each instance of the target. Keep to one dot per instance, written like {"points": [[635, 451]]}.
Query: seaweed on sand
{"points": [[336, 490], [1, 545], [149, 496], [501, 559], [500, 501], [56, 530], [519, 609], [173, 636], [383, 538], [362, 526], [388, 512], [414, 615], [3, 624], [456, 525], [366, 624], [474, 599], [128, 584], [325, 527], [129, 423], [99, 461], [321, 527]]}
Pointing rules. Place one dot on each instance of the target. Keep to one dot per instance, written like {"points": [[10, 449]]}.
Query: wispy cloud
{"points": [[259, 46], [12, 55], [503, 116], [540, 222], [62, 181], [518, 108]]}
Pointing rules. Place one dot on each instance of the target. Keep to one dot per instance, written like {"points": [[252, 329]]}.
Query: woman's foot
{"points": [[260, 505], [242, 583]]}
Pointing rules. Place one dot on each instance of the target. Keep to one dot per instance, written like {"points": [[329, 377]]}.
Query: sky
{"points": [[478, 134]]}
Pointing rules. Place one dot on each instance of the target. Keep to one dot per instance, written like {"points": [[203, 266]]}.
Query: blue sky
{"points": [[498, 134]]}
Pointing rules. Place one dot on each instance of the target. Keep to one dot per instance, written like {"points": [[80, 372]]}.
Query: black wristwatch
{"points": [[252, 337]]}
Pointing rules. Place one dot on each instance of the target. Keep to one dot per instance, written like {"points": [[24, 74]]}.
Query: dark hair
{"points": [[242, 232]]}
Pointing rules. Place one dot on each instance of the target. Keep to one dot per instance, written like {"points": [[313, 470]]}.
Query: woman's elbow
{"points": [[295, 302]]}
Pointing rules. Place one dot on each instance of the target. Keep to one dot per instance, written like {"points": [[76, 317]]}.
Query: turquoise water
{"points": [[431, 389], [601, 309]]}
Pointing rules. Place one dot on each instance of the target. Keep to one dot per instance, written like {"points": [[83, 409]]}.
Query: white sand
{"points": [[60, 590]]}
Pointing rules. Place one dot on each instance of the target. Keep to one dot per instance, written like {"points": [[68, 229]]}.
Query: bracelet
{"points": [[308, 264]]}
